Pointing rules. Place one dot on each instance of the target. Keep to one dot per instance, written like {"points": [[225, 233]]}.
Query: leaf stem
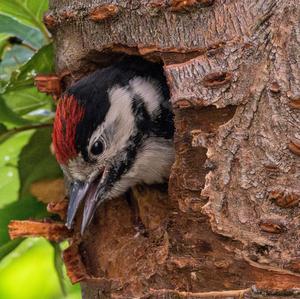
{"points": [[45, 33], [58, 265], [29, 127], [28, 46]]}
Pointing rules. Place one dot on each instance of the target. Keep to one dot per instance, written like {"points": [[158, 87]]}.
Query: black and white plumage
{"points": [[114, 129]]}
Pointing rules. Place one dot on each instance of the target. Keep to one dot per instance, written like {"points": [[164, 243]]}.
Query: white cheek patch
{"points": [[120, 117], [149, 91], [153, 165]]}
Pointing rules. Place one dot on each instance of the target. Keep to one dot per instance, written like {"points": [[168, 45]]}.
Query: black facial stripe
{"points": [[126, 159], [141, 116], [95, 112], [163, 123]]}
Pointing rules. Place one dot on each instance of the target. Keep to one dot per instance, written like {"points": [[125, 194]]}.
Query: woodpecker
{"points": [[113, 129]]}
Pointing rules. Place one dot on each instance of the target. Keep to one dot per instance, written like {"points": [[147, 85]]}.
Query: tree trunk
{"points": [[229, 225]]}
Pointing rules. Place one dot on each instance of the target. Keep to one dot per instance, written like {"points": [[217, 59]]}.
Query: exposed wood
{"points": [[284, 198], [104, 12], [179, 5], [190, 295], [59, 208], [74, 266], [294, 146], [52, 231], [295, 103], [49, 84]]}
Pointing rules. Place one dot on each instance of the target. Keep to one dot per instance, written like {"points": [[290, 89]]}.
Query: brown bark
{"points": [[49, 84], [53, 231], [231, 219]]}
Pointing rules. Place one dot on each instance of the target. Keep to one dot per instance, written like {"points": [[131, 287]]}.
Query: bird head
{"points": [[112, 130]]}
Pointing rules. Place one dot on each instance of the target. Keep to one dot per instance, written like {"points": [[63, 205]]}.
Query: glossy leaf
{"points": [[13, 28], [15, 55], [30, 268], [8, 247], [11, 61], [8, 116], [5, 135], [3, 43], [9, 155], [3, 128], [8, 184], [36, 161], [40, 62], [26, 99], [58, 264], [29, 12]]}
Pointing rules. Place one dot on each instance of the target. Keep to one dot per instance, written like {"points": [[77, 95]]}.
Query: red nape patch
{"points": [[68, 114]]}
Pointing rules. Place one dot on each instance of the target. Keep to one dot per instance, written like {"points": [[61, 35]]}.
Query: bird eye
{"points": [[97, 148]]}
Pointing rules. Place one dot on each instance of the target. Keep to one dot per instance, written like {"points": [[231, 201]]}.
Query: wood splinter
{"points": [[183, 104], [294, 146], [103, 12], [217, 79], [178, 5], [49, 84], [59, 208], [74, 265], [50, 21], [284, 198], [295, 103], [272, 227], [52, 231]]}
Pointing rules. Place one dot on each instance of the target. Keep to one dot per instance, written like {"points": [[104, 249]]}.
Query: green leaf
{"points": [[28, 273], [40, 62], [3, 129], [8, 247], [8, 184], [14, 28], [28, 12], [5, 135], [8, 116], [9, 155], [19, 210], [59, 267], [36, 161], [19, 60], [3, 43], [27, 99], [13, 58]]}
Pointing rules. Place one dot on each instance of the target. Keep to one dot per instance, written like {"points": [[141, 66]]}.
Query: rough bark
{"points": [[231, 218]]}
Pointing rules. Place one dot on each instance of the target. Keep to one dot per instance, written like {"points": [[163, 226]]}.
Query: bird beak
{"points": [[93, 200], [78, 192]]}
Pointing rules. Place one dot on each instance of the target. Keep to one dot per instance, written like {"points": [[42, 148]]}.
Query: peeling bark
{"points": [[53, 231], [231, 218], [49, 84]]}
